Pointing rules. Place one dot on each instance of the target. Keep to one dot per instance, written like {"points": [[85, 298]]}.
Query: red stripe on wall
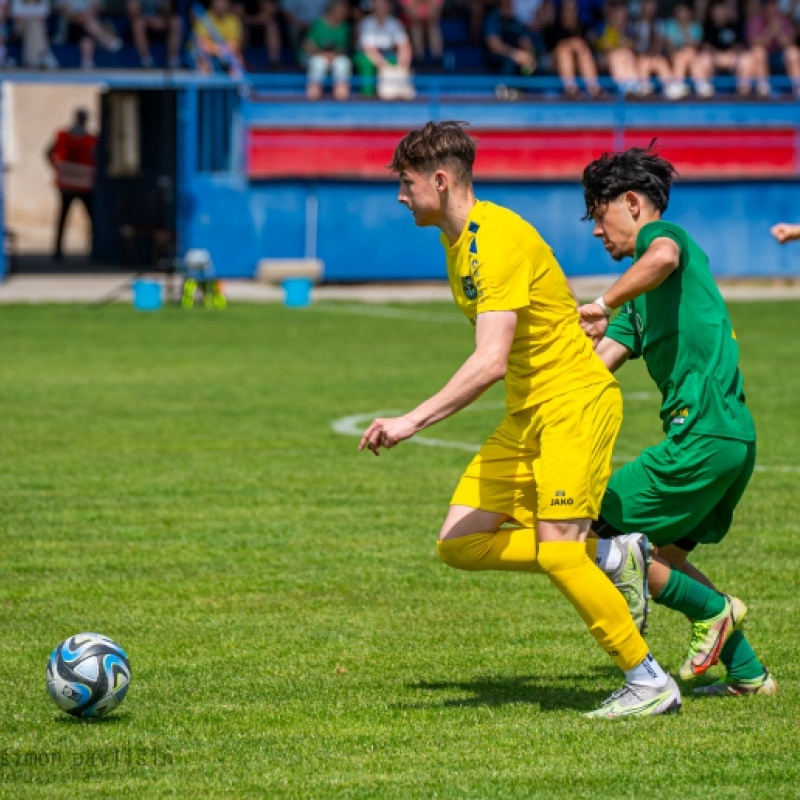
{"points": [[515, 155]]}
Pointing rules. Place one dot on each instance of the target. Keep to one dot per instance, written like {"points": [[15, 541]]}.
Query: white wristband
{"points": [[602, 303]]}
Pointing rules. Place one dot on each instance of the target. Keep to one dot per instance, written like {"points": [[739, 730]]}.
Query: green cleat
{"points": [[765, 684], [709, 637], [631, 576], [633, 700]]}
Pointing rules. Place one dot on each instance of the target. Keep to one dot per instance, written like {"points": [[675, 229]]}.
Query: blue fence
{"points": [[360, 231]]}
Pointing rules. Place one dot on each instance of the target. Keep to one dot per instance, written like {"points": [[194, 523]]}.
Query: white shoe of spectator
{"points": [[676, 90], [763, 89], [704, 88]]}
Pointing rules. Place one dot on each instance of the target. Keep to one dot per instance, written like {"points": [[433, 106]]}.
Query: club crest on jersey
{"points": [[680, 416], [470, 291]]}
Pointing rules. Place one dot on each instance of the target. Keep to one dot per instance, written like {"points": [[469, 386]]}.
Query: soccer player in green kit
{"points": [[683, 491]]}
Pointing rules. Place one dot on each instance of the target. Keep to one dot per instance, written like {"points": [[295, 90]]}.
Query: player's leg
{"points": [[66, 202], [576, 434], [676, 556], [472, 539], [497, 489], [745, 672], [498, 486], [663, 493]]}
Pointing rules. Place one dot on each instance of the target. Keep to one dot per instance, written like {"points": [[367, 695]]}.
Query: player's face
{"points": [[418, 193], [615, 226]]}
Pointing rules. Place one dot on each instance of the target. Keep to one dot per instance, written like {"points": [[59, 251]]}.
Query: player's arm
{"points": [[494, 335], [613, 353], [785, 232], [660, 260]]}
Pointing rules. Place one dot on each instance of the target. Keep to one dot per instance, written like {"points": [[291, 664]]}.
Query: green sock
{"points": [[739, 659], [690, 597]]}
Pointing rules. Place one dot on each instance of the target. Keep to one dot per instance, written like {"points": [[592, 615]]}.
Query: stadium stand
{"points": [[687, 40]]}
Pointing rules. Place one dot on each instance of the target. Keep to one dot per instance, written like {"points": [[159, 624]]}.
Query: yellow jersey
{"points": [[229, 27], [501, 263]]}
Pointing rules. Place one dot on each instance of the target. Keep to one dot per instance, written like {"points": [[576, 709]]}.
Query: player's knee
{"points": [[456, 553], [555, 556]]}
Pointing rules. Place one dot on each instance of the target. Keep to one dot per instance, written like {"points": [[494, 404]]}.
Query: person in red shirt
{"points": [[72, 156]]}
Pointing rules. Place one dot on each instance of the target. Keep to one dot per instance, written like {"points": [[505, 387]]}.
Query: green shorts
{"points": [[682, 491]]}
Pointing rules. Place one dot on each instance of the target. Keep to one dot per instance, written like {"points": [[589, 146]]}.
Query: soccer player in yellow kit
{"points": [[546, 467]]}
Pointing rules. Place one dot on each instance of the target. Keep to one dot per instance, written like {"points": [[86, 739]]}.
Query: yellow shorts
{"points": [[550, 461]]}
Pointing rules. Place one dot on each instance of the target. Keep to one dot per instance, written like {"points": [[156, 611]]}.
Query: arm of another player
{"points": [[660, 260], [494, 335], [612, 353], [785, 232]]}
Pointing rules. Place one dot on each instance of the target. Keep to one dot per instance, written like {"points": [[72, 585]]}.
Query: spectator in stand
{"points": [[261, 21], [684, 36], [723, 48], [160, 19], [300, 16], [30, 22], [527, 12], [424, 18], [72, 156], [563, 36], [325, 50], [651, 51], [478, 11], [770, 35], [509, 44], [382, 44], [85, 29], [614, 45], [224, 39], [3, 18]]}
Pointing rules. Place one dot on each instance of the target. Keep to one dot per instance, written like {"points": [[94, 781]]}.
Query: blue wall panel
{"points": [[363, 233]]}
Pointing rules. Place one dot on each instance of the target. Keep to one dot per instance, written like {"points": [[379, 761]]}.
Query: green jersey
{"points": [[683, 331]]}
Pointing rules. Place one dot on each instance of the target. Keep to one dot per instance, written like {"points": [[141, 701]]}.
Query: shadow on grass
{"points": [[548, 692]]}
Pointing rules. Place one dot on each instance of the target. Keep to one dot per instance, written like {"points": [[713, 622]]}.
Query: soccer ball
{"points": [[88, 675]]}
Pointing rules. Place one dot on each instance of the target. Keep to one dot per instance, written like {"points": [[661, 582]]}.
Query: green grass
{"points": [[172, 481]]}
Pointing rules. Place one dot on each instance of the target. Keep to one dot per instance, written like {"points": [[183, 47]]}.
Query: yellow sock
{"points": [[508, 550], [594, 597]]}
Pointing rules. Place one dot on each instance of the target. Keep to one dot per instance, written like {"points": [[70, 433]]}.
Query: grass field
{"points": [[173, 481]]}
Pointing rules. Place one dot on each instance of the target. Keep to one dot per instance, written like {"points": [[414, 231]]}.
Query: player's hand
{"points": [[387, 433], [593, 321], [782, 232]]}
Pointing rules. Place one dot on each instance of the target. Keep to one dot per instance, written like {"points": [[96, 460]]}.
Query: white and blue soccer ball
{"points": [[88, 675]]}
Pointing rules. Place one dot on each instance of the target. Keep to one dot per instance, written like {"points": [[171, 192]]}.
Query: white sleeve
{"points": [[366, 33], [398, 31]]}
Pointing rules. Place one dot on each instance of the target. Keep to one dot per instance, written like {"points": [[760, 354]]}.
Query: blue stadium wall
{"points": [[361, 233], [355, 225]]}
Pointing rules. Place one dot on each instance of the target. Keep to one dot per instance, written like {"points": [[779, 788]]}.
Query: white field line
{"points": [[355, 425]]}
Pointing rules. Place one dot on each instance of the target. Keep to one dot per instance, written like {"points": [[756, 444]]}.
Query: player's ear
{"points": [[633, 203], [441, 180]]}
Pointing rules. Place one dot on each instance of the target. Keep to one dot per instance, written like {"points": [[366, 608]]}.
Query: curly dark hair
{"points": [[637, 169], [436, 145]]}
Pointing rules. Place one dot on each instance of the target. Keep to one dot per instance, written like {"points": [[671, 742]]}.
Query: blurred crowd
{"points": [[675, 47]]}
